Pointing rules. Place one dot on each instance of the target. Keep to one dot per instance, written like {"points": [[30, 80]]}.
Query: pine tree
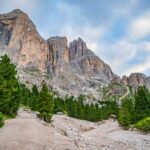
{"points": [[142, 103], [9, 99], [7, 69], [4, 95], [35, 94], [26, 95], [35, 91], [45, 104], [126, 113]]}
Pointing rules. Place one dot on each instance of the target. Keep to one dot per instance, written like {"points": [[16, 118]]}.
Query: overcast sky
{"points": [[118, 31]]}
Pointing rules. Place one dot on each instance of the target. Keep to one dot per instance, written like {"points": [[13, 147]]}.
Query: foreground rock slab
{"points": [[27, 132]]}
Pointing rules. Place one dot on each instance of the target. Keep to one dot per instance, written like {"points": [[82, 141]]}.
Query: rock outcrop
{"points": [[58, 50], [87, 63], [148, 82], [136, 79], [20, 40]]}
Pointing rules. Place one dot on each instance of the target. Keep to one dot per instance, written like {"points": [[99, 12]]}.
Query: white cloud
{"points": [[117, 54], [88, 33], [144, 46], [143, 54], [140, 27], [128, 49], [141, 67]]}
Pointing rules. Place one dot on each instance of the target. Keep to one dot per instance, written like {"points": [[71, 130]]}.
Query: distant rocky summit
{"points": [[136, 79], [67, 68]]}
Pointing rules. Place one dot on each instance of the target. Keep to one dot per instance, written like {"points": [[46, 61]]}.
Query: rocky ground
{"points": [[27, 132]]}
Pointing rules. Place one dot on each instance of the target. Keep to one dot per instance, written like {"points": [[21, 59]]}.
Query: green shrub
{"points": [[1, 120], [143, 125]]}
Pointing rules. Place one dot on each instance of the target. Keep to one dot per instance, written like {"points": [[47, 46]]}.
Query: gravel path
{"points": [[126, 94], [105, 135], [27, 132]]}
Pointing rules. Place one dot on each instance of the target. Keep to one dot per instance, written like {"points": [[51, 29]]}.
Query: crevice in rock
{"points": [[5, 34]]}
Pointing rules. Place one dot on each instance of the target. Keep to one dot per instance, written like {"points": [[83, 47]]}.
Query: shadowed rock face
{"points": [[58, 49], [148, 82], [5, 34]]}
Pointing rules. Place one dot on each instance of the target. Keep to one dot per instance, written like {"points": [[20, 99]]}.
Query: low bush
{"points": [[143, 125]]}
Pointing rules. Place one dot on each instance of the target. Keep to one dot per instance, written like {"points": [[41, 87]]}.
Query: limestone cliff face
{"points": [[148, 82], [20, 40], [86, 62], [58, 50]]}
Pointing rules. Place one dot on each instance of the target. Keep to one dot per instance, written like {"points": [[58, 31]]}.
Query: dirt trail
{"points": [[126, 94], [26, 132]]}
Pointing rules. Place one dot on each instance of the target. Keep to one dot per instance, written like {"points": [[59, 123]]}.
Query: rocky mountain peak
{"points": [[13, 15], [17, 11], [86, 62], [77, 49], [20, 40], [135, 80]]}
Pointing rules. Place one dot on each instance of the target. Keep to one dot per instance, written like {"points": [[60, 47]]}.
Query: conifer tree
{"points": [[9, 87], [142, 103], [35, 94], [126, 113], [45, 104]]}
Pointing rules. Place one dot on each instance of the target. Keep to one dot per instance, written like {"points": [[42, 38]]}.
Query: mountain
{"points": [[69, 68], [20, 40]]}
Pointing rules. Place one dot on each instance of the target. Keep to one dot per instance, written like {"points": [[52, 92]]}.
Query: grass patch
{"points": [[143, 125], [9, 117]]}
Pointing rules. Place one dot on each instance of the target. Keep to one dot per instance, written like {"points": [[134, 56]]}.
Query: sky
{"points": [[118, 31]]}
